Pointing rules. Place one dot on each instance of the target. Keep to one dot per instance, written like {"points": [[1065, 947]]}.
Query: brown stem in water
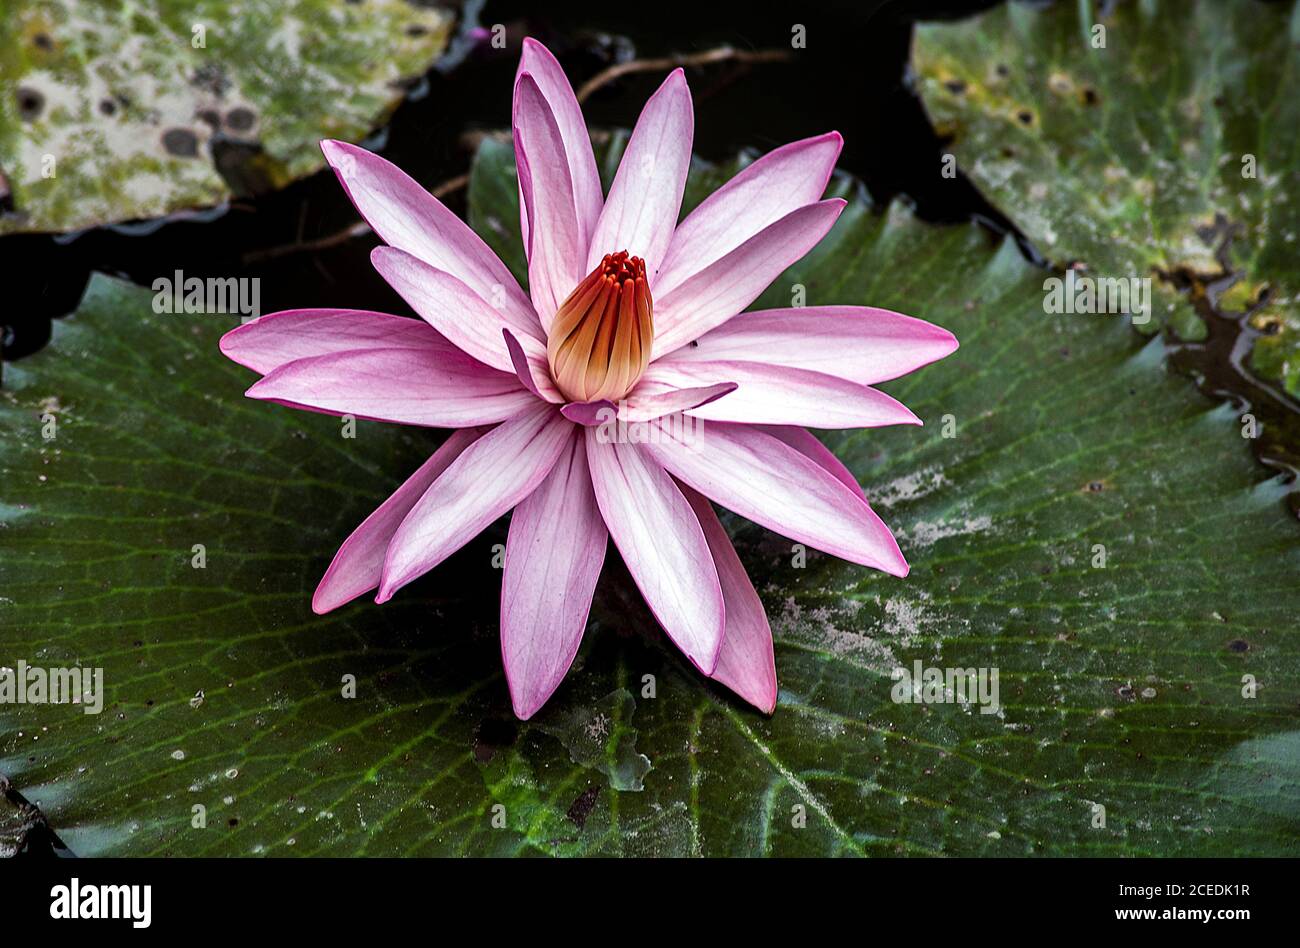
{"points": [[718, 55], [359, 229]]}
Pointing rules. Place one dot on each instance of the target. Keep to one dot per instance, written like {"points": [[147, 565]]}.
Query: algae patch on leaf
{"points": [[1156, 140], [115, 111]]}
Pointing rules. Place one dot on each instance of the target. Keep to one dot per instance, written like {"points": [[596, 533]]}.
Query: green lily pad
{"points": [[1170, 152], [1126, 723], [109, 111]]}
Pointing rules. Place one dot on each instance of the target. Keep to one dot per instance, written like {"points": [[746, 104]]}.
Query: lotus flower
{"points": [[568, 401]]}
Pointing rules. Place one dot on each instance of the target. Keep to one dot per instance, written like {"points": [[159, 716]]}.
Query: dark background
{"points": [[852, 77]]}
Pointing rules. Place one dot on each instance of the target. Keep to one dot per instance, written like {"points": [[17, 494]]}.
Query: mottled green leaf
{"points": [[109, 111], [1171, 152], [1120, 687]]}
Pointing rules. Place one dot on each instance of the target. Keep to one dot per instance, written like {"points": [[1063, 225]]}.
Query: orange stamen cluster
{"points": [[601, 337]]}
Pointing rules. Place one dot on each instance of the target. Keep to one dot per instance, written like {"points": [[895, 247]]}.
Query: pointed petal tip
{"points": [[831, 137], [388, 583], [319, 604], [225, 342], [393, 576], [895, 563], [675, 82], [537, 51], [905, 415], [383, 258], [763, 700], [706, 667], [760, 696], [519, 360], [896, 414], [940, 340], [720, 390], [323, 601], [524, 706], [712, 665], [333, 150], [532, 46], [267, 388]]}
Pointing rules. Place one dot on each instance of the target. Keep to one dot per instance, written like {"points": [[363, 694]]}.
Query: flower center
{"points": [[601, 337]]}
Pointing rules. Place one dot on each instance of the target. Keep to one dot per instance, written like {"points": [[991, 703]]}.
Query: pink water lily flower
{"points": [[632, 318]]}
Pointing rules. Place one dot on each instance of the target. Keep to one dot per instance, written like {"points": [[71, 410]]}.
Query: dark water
{"points": [[852, 76]]}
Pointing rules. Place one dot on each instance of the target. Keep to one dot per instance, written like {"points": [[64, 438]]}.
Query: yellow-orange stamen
{"points": [[601, 337]]}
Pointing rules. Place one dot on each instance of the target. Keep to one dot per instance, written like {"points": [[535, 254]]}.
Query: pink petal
{"points": [[858, 343], [761, 194], [554, 244], [588, 199], [270, 341], [494, 474], [649, 400], [662, 543], [600, 412], [554, 553], [408, 386], [776, 395], [358, 563], [726, 286], [807, 444], [652, 399], [646, 196], [451, 307], [746, 663], [407, 217], [531, 369], [770, 483]]}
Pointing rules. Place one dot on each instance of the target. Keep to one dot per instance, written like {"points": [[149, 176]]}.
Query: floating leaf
{"points": [[1160, 140], [112, 111], [1075, 517]]}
